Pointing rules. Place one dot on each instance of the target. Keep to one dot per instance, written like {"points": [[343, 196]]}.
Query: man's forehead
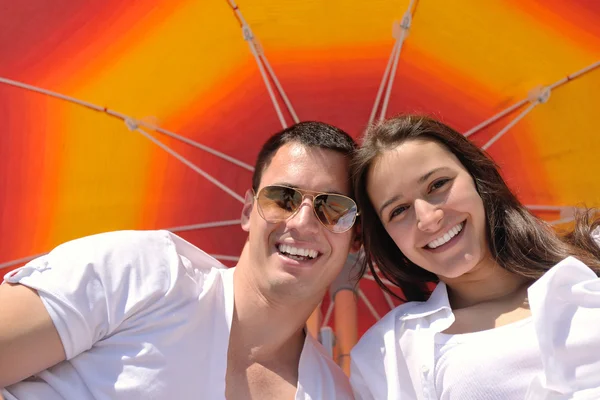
{"points": [[299, 151], [297, 165]]}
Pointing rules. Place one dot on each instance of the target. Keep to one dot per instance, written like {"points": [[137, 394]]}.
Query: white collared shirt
{"points": [[145, 315], [395, 358]]}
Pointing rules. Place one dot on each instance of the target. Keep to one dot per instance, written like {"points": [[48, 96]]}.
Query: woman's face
{"points": [[428, 203]]}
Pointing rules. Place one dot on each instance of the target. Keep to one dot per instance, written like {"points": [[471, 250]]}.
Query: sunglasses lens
{"points": [[336, 212], [277, 203]]}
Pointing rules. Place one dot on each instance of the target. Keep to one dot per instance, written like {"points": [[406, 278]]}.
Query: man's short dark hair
{"points": [[309, 134]]}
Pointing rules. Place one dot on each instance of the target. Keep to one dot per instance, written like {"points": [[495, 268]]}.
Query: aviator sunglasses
{"points": [[335, 212]]}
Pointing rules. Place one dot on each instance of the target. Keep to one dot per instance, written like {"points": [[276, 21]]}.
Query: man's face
{"points": [[272, 245]]}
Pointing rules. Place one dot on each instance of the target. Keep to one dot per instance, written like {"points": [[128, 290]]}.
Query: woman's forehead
{"points": [[407, 164], [414, 155]]}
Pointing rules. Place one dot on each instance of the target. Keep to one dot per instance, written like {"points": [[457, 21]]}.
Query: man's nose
{"points": [[305, 219]]}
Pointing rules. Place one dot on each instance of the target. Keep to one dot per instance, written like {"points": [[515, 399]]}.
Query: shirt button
{"points": [[425, 369]]}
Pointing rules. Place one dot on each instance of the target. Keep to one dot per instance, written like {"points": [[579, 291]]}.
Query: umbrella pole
{"points": [[314, 322], [346, 326]]}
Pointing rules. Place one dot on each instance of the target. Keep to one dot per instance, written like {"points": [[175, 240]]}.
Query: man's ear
{"points": [[357, 240], [247, 210]]}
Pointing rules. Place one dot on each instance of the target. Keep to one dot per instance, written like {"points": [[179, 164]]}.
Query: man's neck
{"points": [[266, 325]]}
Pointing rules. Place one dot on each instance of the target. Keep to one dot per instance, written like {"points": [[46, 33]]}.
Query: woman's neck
{"points": [[488, 282]]}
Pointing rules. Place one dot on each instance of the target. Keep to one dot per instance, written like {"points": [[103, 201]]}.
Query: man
{"points": [[127, 315]]}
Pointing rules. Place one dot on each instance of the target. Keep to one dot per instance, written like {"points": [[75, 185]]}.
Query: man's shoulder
{"points": [[153, 246], [116, 241], [143, 256]]}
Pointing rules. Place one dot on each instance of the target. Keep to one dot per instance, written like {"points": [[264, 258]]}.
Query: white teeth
{"points": [[446, 237], [295, 251]]}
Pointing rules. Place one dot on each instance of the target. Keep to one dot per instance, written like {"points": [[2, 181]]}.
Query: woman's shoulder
{"points": [[569, 281]]}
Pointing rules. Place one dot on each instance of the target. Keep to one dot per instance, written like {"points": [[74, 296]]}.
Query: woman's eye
{"points": [[397, 211], [438, 184]]}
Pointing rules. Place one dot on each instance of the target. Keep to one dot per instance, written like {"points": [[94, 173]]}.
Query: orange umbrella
{"points": [[169, 102]]}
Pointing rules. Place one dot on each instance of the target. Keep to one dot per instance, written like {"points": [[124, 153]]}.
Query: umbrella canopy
{"points": [[226, 76]]}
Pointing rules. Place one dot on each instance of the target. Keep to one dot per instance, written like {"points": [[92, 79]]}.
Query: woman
{"points": [[516, 310]]}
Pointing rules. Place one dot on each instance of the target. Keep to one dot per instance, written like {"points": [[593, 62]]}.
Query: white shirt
{"points": [[494, 364], [395, 358], [145, 315]]}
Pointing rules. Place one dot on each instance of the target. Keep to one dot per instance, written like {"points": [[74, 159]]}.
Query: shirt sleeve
{"points": [[90, 286]]}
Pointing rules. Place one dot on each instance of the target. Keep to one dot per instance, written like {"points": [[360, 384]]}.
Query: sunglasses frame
{"points": [[304, 194]]}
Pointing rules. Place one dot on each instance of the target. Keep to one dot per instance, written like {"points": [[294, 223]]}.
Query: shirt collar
{"points": [[438, 302]]}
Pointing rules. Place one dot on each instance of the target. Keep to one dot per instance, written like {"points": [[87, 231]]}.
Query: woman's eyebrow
{"points": [[428, 175], [421, 180]]}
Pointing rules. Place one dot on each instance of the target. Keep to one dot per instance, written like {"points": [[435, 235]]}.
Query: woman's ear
{"points": [[247, 210]]}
